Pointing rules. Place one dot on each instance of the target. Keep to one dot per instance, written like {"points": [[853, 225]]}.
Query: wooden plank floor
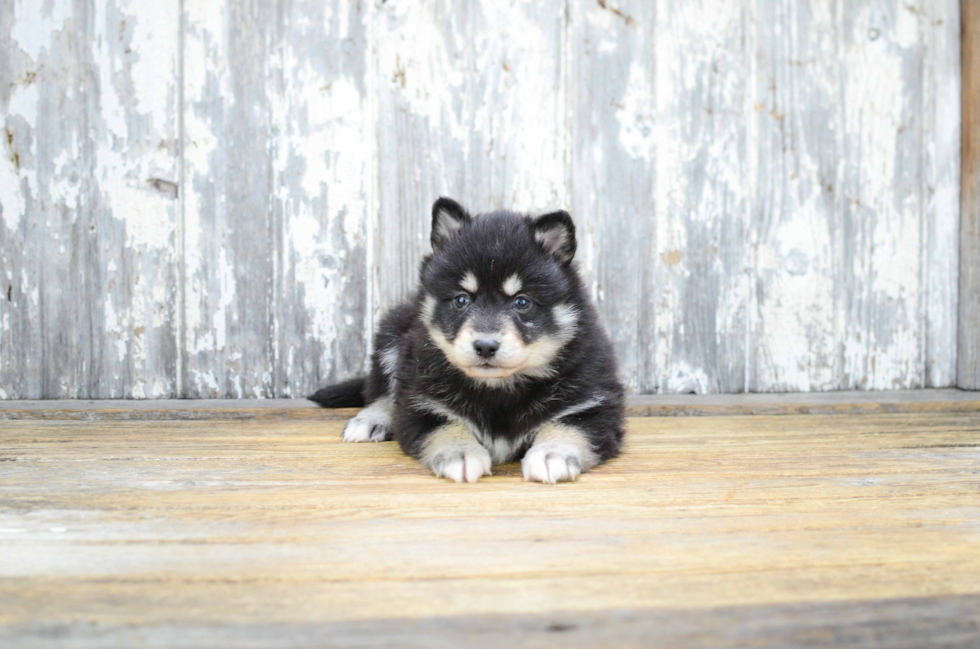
{"points": [[792, 530]]}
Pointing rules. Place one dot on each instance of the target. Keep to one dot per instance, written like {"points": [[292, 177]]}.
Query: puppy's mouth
{"points": [[491, 370]]}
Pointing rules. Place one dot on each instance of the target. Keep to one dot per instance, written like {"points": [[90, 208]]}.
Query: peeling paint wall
{"points": [[218, 198]]}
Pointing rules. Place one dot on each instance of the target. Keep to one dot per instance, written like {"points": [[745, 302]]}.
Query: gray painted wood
{"points": [[794, 213], [470, 105], [88, 194], [658, 167], [324, 176], [221, 202], [229, 225], [278, 179], [855, 212], [940, 28], [881, 263], [703, 72], [611, 88], [968, 370]]}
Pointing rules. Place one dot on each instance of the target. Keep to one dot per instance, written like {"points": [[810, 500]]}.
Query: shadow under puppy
{"points": [[499, 356]]}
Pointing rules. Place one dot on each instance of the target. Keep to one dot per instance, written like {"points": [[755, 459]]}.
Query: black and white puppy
{"points": [[498, 357]]}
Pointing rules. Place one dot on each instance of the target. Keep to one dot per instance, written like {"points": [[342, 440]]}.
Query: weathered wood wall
{"points": [[217, 198]]}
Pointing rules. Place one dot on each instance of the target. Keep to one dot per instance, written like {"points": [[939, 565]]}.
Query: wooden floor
{"points": [[762, 531]]}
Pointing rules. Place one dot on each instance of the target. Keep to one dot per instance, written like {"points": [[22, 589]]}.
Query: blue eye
{"points": [[522, 303], [461, 301]]}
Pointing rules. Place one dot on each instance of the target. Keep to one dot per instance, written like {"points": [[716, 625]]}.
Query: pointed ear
{"points": [[556, 234], [448, 216]]}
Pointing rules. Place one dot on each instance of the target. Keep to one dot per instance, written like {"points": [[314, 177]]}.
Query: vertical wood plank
{"points": [[795, 114], [894, 312], [613, 133], [230, 237], [879, 241], [27, 45], [701, 199], [323, 125], [132, 262], [515, 144], [471, 105], [89, 95], [968, 363], [940, 145], [419, 75], [65, 242]]}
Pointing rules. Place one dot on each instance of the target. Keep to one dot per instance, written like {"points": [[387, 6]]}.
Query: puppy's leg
{"points": [[373, 424], [451, 451], [566, 447], [442, 443], [560, 452]]}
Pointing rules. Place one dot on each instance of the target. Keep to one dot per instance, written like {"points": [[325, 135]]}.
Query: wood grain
{"points": [[952, 622], [164, 527], [968, 367]]}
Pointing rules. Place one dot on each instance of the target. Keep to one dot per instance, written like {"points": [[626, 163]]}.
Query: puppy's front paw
{"points": [[373, 424], [552, 463], [365, 431], [462, 462]]}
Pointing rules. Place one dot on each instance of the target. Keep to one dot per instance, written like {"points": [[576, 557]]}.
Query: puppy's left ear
{"points": [[556, 234], [448, 217]]}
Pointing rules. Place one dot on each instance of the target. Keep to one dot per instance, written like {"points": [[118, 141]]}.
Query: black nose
{"points": [[486, 348]]}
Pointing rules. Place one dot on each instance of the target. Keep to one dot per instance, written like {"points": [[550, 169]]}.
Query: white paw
{"points": [[373, 424], [552, 463], [461, 461]]}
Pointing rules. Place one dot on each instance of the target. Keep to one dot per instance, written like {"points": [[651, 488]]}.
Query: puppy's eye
{"points": [[521, 303], [461, 301]]}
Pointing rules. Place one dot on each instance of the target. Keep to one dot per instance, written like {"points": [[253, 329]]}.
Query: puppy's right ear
{"points": [[448, 217]]}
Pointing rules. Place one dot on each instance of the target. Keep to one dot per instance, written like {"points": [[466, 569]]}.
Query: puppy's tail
{"points": [[348, 394]]}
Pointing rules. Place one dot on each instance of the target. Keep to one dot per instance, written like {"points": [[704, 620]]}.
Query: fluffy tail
{"points": [[343, 395]]}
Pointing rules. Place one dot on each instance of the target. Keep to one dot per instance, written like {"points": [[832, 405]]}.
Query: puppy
{"points": [[499, 356]]}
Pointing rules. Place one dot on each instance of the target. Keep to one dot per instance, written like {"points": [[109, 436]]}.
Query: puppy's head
{"points": [[498, 291]]}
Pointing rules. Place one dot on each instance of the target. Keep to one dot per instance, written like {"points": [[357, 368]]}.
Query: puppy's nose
{"points": [[486, 348]]}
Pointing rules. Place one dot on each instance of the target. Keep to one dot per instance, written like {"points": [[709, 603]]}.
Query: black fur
{"points": [[410, 366], [349, 394]]}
